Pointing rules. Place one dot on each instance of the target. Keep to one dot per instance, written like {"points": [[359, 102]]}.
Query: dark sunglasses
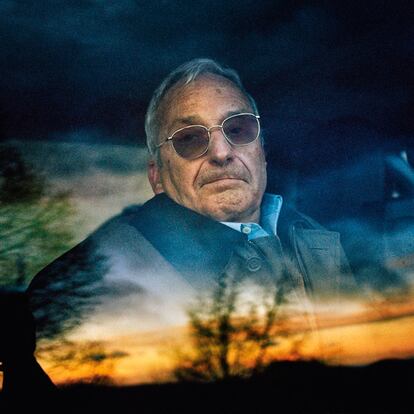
{"points": [[193, 141]]}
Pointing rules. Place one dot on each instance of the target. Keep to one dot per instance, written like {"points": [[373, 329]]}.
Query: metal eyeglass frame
{"points": [[209, 134]]}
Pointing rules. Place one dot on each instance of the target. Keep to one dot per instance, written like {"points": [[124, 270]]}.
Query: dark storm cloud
{"points": [[325, 73], [92, 65]]}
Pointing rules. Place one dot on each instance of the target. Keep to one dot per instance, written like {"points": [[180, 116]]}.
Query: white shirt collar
{"points": [[269, 214]]}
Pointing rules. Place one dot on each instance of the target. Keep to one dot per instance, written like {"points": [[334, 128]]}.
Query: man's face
{"points": [[226, 183]]}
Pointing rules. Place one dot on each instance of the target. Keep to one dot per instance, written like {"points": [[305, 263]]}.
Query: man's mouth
{"points": [[221, 179]]}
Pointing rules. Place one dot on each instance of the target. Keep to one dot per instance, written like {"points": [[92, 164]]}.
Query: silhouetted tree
{"points": [[66, 291], [231, 334], [85, 362], [35, 225], [62, 296]]}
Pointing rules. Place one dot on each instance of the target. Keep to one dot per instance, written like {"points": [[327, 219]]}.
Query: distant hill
{"points": [[284, 387]]}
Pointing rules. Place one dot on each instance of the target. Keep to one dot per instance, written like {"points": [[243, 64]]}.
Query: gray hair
{"points": [[185, 74]]}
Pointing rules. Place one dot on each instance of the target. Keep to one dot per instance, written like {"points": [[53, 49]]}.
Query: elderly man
{"points": [[128, 287]]}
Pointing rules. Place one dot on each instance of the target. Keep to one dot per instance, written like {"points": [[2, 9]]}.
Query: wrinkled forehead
{"points": [[183, 97]]}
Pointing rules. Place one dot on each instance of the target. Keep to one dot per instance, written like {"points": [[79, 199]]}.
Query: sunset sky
{"points": [[355, 338]]}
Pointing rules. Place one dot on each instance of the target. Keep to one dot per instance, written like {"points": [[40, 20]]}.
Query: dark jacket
{"points": [[144, 267]]}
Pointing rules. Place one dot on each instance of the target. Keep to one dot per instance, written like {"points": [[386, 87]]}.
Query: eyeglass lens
{"points": [[193, 141]]}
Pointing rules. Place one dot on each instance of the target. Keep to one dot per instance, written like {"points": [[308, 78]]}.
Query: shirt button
{"points": [[254, 263], [246, 229]]}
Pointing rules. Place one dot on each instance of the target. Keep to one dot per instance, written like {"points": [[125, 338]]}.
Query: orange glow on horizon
{"points": [[151, 357]]}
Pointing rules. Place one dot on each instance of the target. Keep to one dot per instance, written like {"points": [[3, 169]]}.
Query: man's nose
{"points": [[220, 150]]}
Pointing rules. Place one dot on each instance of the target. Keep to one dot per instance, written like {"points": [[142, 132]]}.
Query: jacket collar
{"points": [[191, 242]]}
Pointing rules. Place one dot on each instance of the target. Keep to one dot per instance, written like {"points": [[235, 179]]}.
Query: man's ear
{"points": [[154, 177]]}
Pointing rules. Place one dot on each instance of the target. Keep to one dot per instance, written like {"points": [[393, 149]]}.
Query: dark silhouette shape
{"points": [[283, 387], [23, 376]]}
